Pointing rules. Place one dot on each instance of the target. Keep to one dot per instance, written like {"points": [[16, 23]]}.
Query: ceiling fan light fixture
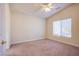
{"points": [[47, 7]]}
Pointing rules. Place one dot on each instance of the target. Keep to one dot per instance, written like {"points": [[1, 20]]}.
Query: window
{"points": [[62, 27], [57, 28]]}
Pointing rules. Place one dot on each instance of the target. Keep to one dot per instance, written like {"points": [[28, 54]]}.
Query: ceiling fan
{"points": [[47, 6]]}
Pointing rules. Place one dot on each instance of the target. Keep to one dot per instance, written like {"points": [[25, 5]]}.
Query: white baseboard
{"points": [[72, 44], [26, 41]]}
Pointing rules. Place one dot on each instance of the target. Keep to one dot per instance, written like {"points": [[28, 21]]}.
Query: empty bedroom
{"points": [[39, 29]]}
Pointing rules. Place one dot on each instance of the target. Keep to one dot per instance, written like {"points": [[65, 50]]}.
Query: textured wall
{"points": [[73, 12], [26, 28]]}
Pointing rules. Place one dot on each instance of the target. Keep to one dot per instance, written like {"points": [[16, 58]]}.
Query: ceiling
{"points": [[35, 9]]}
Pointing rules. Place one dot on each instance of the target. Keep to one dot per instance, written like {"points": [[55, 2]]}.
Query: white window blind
{"points": [[62, 27]]}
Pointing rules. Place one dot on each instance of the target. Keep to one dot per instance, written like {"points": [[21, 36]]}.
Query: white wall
{"points": [[71, 11], [26, 28]]}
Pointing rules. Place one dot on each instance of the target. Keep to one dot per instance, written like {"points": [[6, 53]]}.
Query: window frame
{"points": [[62, 27]]}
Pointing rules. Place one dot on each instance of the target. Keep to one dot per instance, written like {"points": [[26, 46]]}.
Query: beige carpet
{"points": [[43, 48]]}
